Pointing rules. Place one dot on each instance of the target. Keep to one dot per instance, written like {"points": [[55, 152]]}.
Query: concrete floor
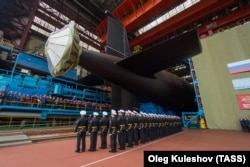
{"points": [[61, 153]]}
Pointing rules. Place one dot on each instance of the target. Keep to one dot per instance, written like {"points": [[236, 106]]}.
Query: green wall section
{"points": [[215, 82]]}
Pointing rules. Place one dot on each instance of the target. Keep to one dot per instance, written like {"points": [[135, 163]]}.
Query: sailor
{"points": [[81, 129], [93, 130], [136, 127], [113, 126], [165, 125], [160, 133], [151, 132], [146, 125], [171, 124], [121, 120], [142, 127], [178, 124], [158, 126], [130, 129], [163, 132], [104, 125], [168, 123]]}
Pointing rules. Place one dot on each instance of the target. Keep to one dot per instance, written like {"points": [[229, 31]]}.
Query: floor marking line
{"points": [[144, 145]]}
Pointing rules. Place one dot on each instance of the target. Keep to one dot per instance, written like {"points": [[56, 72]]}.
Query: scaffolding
{"points": [[192, 119]]}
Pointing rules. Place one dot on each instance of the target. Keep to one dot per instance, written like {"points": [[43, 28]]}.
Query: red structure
{"points": [[17, 17], [210, 15]]}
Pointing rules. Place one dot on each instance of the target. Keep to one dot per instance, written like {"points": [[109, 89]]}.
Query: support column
{"points": [[28, 25]]}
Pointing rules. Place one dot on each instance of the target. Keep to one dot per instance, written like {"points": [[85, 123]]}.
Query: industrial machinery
{"points": [[31, 97]]}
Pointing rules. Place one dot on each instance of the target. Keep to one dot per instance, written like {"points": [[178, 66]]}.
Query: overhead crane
{"points": [[228, 20], [138, 15], [185, 18], [188, 17]]}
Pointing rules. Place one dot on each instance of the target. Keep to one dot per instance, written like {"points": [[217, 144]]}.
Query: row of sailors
{"points": [[49, 101], [124, 127]]}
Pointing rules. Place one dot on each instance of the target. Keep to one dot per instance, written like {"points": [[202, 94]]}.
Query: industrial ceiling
{"points": [[17, 18]]}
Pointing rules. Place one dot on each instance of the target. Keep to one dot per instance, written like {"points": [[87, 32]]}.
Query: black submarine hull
{"points": [[164, 88]]}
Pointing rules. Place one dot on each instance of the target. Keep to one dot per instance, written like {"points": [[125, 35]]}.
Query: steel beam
{"points": [[71, 14], [28, 25], [187, 17], [227, 20], [138, 17]]}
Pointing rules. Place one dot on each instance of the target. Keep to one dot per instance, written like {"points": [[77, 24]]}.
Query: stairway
{"points": [[13, 139]]}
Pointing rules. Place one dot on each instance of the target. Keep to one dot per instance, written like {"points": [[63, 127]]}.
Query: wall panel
{"points": [[215, 82]]}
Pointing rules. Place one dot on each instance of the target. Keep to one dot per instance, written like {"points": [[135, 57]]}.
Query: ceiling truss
{"points": [[212, 15]]}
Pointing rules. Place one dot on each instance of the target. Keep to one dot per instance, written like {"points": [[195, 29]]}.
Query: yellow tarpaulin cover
{"points": [[62, 50]]}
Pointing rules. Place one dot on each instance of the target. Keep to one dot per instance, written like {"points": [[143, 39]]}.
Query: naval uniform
{"points": [[93, 130], [104, 125], [136, 130], [81, 129], [142, 129], [121, 120], [130, 132], [113, 125]]}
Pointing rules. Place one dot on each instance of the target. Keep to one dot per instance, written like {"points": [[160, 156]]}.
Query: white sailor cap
{"points": [[95, 113], [136, 113], [121, 111], [113, 112], [83, 112], [104, 113], [129, 112]]}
